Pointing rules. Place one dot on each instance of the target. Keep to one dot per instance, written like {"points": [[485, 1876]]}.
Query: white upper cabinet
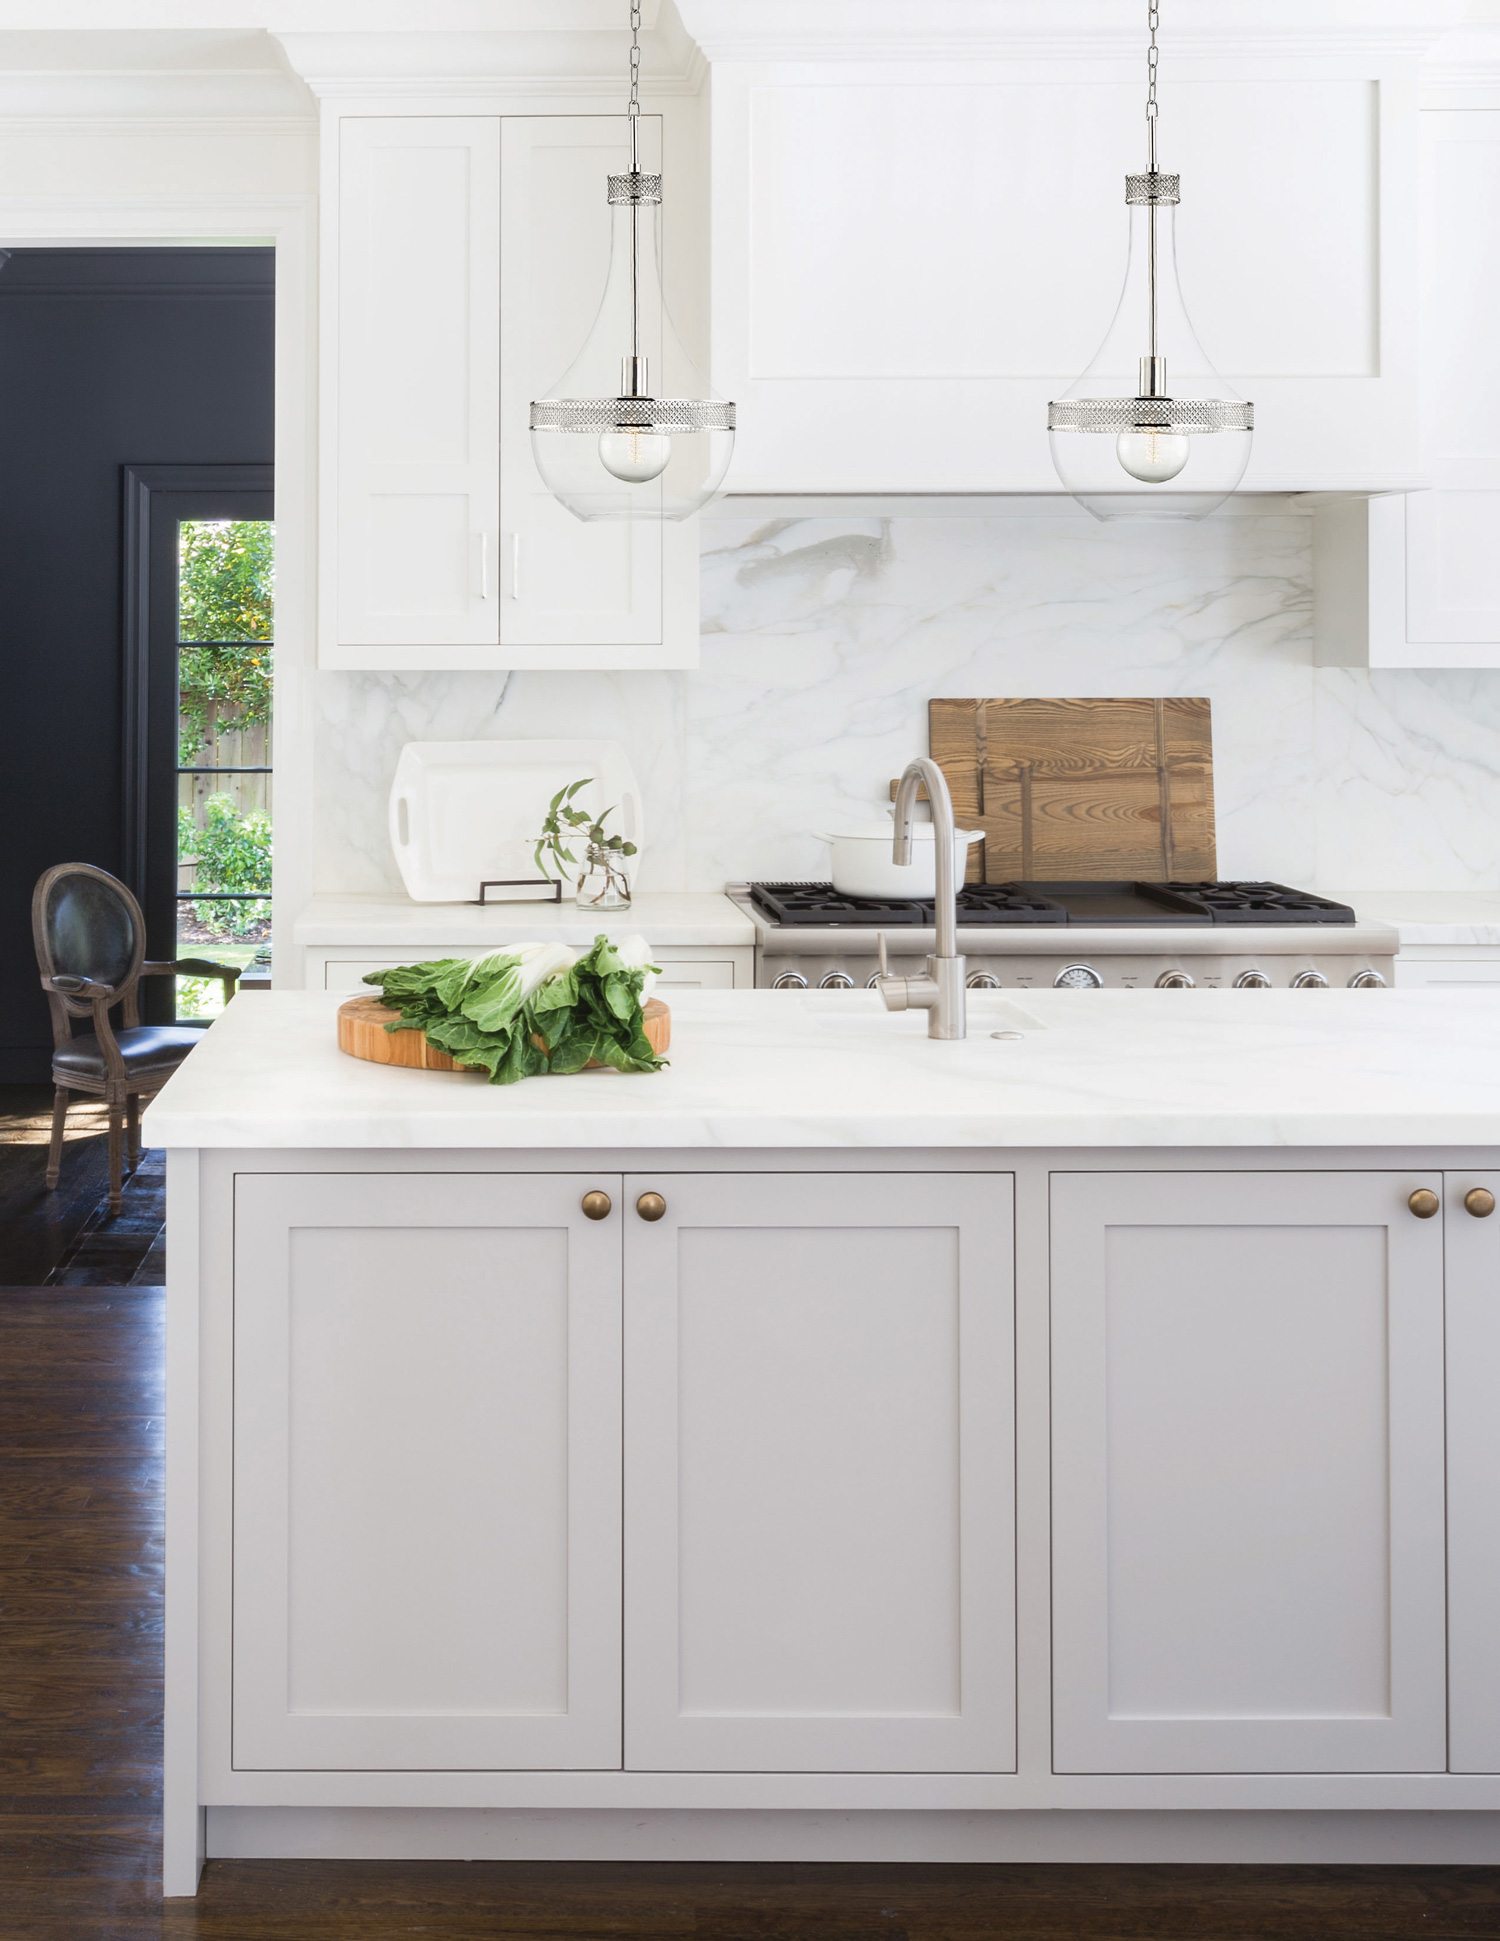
{"points": [[417, 384], [919, 235], [1414, 581], [464, 260]]}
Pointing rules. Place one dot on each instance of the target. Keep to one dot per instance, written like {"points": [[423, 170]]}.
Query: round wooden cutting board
{"points": [[362, 1033]]}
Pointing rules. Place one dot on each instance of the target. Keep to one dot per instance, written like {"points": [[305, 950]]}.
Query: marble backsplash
{"points": [[824, 637]]}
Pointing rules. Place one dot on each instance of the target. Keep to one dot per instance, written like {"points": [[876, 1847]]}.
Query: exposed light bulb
{"points": [[1153, 456], [637, 456]]}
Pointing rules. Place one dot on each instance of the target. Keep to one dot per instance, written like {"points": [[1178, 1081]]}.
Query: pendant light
{"points": [[1150, 430], [631, 430]]}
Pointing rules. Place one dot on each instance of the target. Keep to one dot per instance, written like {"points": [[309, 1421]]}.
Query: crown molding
{"points": [[1463, 69], [213, 99], [1062, 30], [442, 66]]}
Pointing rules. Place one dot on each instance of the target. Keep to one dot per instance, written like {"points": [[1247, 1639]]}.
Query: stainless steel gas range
{"points": [[1028, 936]]}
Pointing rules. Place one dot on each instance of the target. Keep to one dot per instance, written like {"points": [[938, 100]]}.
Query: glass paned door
{"points": [[226, 573]]}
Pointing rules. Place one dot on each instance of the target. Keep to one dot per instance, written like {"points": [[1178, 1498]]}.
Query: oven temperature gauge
{"points": [[1077, 977]]}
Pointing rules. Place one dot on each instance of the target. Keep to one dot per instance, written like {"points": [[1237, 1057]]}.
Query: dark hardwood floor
{"points": [[68, 1236], [80, 1724]]}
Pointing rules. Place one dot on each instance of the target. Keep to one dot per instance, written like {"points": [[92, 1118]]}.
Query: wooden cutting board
{"points": [[363, 1034], [1071, 790]]}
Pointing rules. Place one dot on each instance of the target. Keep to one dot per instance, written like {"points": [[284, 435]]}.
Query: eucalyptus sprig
{"points": [[565, 824]]}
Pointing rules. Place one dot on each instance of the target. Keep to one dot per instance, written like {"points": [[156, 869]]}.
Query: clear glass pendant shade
{"points": [[1150, 430], [630, 429]]}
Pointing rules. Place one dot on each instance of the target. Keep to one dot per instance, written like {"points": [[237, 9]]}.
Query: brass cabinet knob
{"points": [[651, 1206], [1479, 1201], [1424, 1203], [597, 1205]]}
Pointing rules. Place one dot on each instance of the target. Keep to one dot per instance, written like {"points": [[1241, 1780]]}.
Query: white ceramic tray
{"points": [[464, 812]]}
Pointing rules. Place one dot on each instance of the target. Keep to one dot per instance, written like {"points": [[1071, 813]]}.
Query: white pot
{"points": [[863, 864]]}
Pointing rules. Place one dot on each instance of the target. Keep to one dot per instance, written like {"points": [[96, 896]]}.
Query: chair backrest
{"points": [[85, 923]]}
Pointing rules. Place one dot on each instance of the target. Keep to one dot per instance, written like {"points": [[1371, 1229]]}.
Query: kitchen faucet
{"points": [[940, 993]]}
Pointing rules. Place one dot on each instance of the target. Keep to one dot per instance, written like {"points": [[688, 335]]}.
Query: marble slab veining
{"points": [[825, 634], [769, 1069]]}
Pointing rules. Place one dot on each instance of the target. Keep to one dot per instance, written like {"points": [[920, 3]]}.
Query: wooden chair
{"points": [[90, 947]]}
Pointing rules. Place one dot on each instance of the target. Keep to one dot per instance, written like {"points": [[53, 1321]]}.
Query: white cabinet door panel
{"points": [[427, 1473], [563, 581], [1247, 1473], [820, 1474], [1473, 1263], [418, 380]]}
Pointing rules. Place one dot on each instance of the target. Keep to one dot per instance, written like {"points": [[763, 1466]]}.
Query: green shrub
{"points": [[232, 852]]}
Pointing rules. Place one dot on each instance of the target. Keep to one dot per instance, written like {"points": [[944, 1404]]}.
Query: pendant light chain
{"points": [[1152, 375], [634, 110]]}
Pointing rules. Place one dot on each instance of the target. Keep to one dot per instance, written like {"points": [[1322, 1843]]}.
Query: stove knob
{"points": [[982, 981], [1367, 980], [836, 981], [1309, 981], [1077, 977], [1175, 980], [1252, 980], [790, 981]]}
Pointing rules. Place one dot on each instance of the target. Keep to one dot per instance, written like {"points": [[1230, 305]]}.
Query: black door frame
{"points": [[157, 497]]}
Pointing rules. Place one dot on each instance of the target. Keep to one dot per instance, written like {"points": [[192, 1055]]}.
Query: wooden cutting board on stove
{"points": [[1072, 790]]}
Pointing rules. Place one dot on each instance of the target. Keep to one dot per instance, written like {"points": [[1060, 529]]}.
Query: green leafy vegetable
{"points": [[530, 1009]]}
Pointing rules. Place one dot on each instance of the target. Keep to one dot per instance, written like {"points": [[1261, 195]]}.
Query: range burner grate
{"points": [[820, 904], [1261, 903]]}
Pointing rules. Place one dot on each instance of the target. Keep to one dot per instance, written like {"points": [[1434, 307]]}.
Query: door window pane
{"points": [[225, 631]]}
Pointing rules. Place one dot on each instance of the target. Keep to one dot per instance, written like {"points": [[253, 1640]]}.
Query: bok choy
{"points": [[530, 1008]]}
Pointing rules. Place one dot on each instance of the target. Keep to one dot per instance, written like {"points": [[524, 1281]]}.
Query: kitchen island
{"points": [[842, 1443]]}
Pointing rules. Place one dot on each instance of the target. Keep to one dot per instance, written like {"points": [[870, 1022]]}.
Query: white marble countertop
{"points": [[825, 1069], [1431, 918], [661, 916]]}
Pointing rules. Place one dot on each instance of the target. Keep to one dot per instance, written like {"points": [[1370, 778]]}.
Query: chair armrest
{"points": [[227, 975], [69, 986]]}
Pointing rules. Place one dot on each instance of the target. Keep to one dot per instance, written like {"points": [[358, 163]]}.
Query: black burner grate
{"points": [[1262, 903], [820, 904], [808, 905]]}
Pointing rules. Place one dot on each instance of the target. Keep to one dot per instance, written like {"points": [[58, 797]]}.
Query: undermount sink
{"points": [[862, 1014]]}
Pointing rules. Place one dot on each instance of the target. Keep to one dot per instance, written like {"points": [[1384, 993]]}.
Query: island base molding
{"points": [[1143, 1837]]}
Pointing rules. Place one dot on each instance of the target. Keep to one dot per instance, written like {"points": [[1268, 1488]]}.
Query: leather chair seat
{"points": [[149, 1050]]}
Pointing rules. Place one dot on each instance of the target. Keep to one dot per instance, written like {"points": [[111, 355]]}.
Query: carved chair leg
{"points": [[116, 1153], [59, 1121], [133, 1130]]}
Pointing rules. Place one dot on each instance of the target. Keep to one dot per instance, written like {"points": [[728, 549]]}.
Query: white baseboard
{"points": [[409, 1833]]}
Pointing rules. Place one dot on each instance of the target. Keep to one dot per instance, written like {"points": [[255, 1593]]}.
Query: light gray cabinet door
{"points": [[1473, 1257], [1247, 1419], [426, 1472], [819, 1473]]}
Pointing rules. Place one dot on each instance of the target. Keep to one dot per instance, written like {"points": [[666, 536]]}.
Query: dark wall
{"points": [[108, 358]]}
